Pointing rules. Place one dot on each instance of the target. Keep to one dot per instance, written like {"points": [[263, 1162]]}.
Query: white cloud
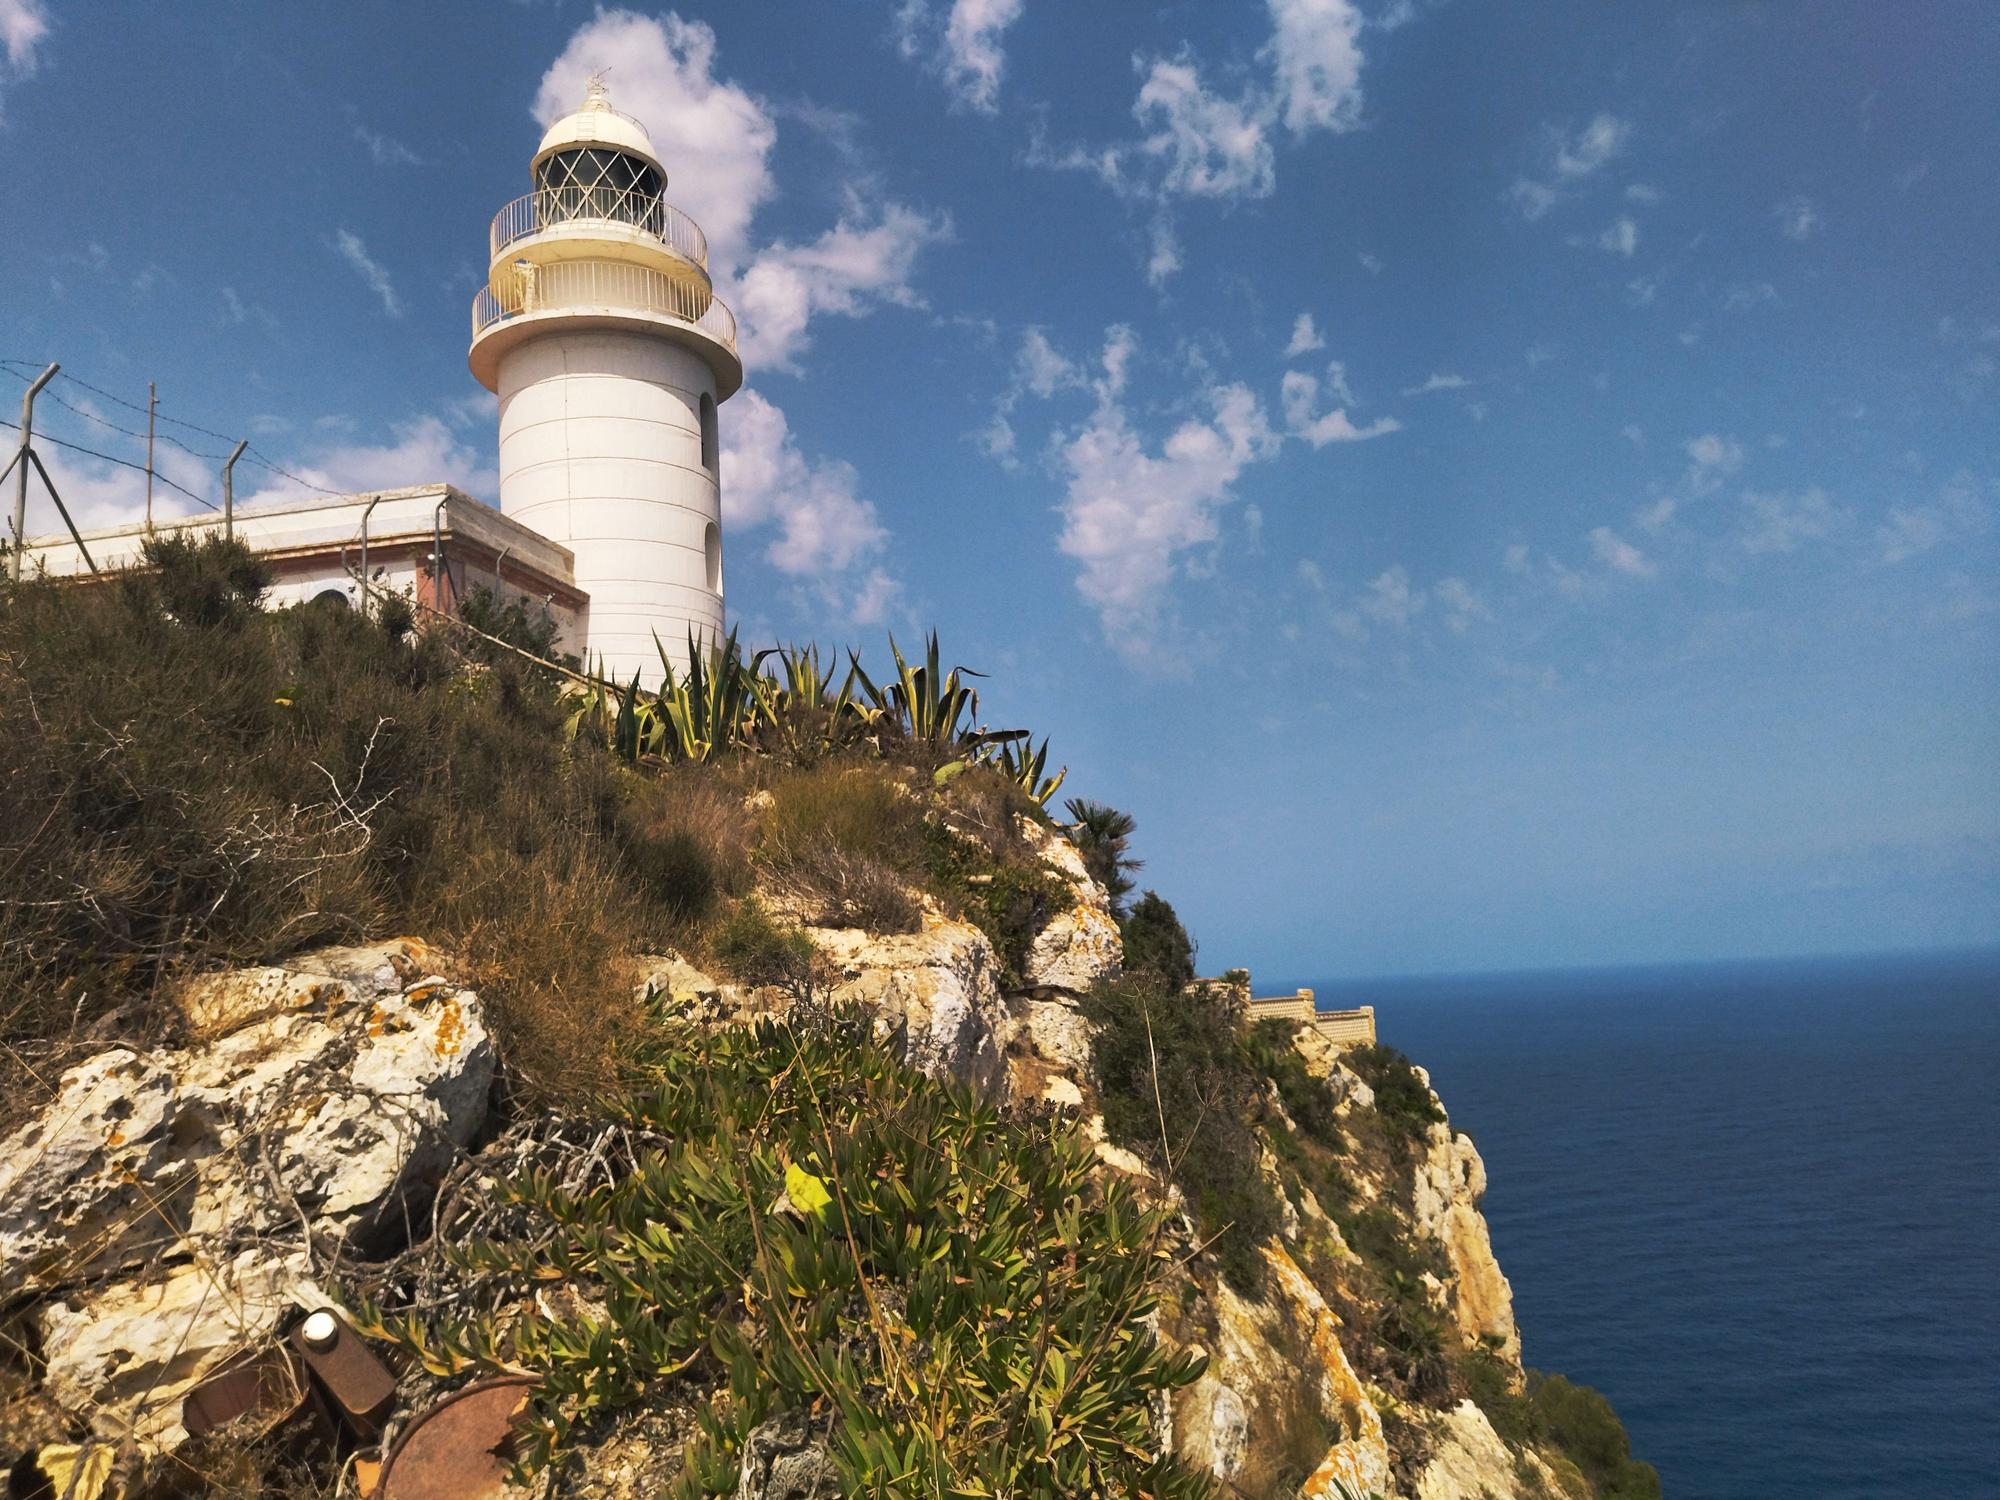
{"points": [[1372, 264], [1797, 217], [1201, 141], [1316, 62], [1622, 238], [966, 51], [1305, 337], [1130, 516], [862, 262], [1390, 599], [1165, 257], [1462, 603], [355, 253], [1620, 555], [1568, 160], [1590, 148], [1438, 382], [1640, 192], [1780, 522], [1043, 368], [1959, 511], [1655, 517], [1208, 145], [824, 529], [1711, 459], [714, 137], [23, 25], [1300, 398], [1517, 558], [386, 152], [1533, 199], [1744, 295], [424, 451]]}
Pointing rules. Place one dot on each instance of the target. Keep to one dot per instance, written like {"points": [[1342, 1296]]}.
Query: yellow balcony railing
{"points": [[586, 285], [551, 208]]}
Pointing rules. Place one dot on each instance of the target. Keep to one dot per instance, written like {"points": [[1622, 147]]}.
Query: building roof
{"points": [[596, 123]]}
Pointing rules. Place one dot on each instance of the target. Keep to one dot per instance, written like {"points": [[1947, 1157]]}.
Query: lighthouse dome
{"points": [[594, 123]]}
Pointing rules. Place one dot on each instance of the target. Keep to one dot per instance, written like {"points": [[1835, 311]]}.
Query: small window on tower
{"points": [[712, 545], [708, 441]]}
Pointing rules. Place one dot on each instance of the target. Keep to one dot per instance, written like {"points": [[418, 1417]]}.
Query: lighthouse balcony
{"points": [[602, 294], [600, 212]]}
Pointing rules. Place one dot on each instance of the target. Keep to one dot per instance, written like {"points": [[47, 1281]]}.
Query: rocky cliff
{"points": [[173, 1209]]}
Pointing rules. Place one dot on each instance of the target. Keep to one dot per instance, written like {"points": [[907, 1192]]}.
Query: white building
{"points": [[600, 333]]}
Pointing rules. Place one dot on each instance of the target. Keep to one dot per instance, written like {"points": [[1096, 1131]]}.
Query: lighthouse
{"points": [[599, 331]]}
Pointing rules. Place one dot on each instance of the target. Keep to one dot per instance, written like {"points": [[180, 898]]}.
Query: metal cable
{"points": [[123, 463]]}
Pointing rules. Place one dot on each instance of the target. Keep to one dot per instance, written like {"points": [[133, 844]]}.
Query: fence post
{"points": [[229, 492], [21, 464], [152, 406]]}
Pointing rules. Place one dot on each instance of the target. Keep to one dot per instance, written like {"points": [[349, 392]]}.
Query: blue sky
{"points": [[1486, 486]]}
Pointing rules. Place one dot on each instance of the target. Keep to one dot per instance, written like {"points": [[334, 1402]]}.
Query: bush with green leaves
{"points": [[1156, 943], [1178, 1088], [958, 1300], [1404, 1103]]}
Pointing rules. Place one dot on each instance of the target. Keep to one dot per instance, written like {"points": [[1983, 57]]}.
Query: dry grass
{"points": [[844, 840], [232, 786]]}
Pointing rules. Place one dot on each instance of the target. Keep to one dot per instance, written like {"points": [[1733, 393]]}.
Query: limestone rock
{"points": [[1469, 1461], [215, 1004], [1079, 947], [128, 1353], [939, 987], [784, 1460], [1278, 1378], [1047, 1045], [1447, 1187], [194, 1173]]}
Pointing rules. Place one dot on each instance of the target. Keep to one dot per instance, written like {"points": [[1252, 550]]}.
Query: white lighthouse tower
{"points": [[600, 333]]}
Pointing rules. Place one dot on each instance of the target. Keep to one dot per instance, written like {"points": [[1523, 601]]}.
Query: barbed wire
{"points": [[109, 458], [256, 456]]}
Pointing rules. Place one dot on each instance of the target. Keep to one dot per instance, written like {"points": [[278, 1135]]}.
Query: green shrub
{"points": [[1580, 1422], [1308, 1100], [1209, 1098], [532, 630], [1403, 1102], [203, 580], [1156, 943], [805, 1225]]}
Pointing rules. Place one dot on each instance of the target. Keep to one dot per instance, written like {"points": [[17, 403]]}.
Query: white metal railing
{"points": [[576, 285], [649, 212]]}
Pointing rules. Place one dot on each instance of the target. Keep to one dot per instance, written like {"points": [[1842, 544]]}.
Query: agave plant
{"points": [[705, 712], [924, 701], [1024, 766], [805, 714]]}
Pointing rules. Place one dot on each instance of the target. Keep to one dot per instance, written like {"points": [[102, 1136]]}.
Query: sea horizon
{"points": [[1732, 1195]]}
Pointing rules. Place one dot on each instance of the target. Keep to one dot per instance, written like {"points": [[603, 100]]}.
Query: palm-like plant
{"points": [[707, 711], [1101, 833]]}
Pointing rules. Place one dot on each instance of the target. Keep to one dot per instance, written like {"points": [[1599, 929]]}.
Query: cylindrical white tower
{"points": [[600, 333]]}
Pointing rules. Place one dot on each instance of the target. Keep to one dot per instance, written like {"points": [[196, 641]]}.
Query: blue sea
{"points": [[1756, 1204]]}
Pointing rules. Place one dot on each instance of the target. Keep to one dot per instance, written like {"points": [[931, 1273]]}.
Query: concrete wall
{"points": [[1345, 1027], [313, 548], [642, 512]]}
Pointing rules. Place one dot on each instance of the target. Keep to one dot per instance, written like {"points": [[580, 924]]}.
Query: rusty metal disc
{"points": [[462, 1448]]}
